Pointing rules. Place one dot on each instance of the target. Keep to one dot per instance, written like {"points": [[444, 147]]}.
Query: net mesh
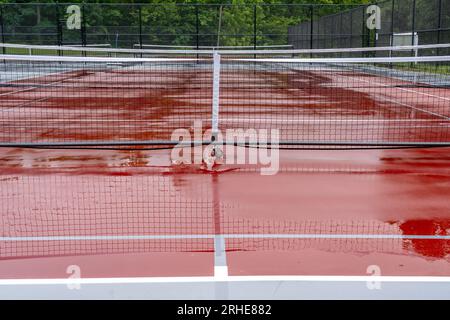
{"points": [[48, 215], [101, 101], [338, 101], [47, 101]]}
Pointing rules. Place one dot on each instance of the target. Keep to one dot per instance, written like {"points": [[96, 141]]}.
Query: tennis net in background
{"points": [[157, 51], [174, 47], [338, 102], [75, 100], [349, 101]]}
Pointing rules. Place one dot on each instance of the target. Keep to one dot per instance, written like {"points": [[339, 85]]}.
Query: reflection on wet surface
{"points": [[393, 203]]}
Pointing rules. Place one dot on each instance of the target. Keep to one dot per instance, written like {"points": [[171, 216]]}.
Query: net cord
{"points": [[224, 52]]}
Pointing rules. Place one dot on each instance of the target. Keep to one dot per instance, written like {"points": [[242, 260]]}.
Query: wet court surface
{"points": [[137, 214], [134, 214]]}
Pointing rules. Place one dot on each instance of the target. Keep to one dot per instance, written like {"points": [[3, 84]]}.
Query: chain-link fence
{"points": [[403, 22], [299, 26], [135, 25], [419, 21], [343, 29]]}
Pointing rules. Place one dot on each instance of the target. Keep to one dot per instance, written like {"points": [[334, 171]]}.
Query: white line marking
{"points": [[408, 105], [382, 85], [425, 94], [282, 278], [336, 236], [328, 120], [220, 255], [74, 60], [220, 272], [262, 120], [337, 60], [209, 51], [227, 236], [34, 86]]}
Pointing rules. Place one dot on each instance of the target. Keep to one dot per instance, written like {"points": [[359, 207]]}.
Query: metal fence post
{"points": [[2, 26], [197, 28], [351, 29], [311, 29], [413, 27], [340, 32], [83, 27], [365, 31], [140, 27], [439, 22], [413, 21], [392, 23], [59, 38], [254, 26]]}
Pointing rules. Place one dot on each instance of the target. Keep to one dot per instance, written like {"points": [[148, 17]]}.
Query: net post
{"points": [[215, 97]]}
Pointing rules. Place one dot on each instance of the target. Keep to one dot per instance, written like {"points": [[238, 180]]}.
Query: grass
{"points": [[438, 68]]}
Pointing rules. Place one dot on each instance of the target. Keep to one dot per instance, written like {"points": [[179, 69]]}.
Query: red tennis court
{"points": [[131, 215]]}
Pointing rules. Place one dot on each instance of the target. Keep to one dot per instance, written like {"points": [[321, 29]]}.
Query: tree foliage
{"points": [[227, 22]]}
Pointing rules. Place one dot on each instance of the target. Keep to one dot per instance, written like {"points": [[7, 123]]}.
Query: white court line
{"points": [[227, 236], [409, 90], [196, 279], [404, 104], [424, 93], [224, 120], [33, 85], [89, 120], [408, 105], [242, 52], [327, 120], [438, 125]]}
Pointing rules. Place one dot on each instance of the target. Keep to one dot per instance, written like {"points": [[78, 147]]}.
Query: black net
{"points": [[54, 215], [68, 101], [92, 101]]}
